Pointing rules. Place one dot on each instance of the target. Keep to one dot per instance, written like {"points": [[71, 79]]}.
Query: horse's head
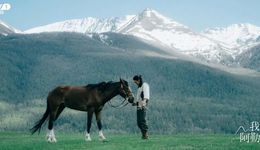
{"points": [[125, 91]]}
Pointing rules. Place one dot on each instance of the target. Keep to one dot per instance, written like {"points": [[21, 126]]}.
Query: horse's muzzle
{"points": [[131, 99]]}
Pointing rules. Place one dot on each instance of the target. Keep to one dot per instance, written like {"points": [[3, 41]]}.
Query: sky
{"points": [[196, 14]]}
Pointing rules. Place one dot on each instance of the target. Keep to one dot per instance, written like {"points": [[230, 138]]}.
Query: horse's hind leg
{"points": [[99, 124], [50, 135], [60, 109]]}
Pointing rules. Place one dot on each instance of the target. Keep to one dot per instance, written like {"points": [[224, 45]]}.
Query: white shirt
{"points": [[145, 89]]}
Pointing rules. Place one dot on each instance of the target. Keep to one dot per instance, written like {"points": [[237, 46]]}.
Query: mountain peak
{"points": [[241, 27], [6, 29], [154, 28], [151, 13], [236, 36], [148, 12]]}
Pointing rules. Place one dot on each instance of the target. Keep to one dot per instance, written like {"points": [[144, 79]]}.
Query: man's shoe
{"points": [[145, 136]]}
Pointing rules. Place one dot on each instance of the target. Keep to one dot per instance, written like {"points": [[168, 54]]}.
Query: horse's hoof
{"points": [[105, 140], [101, 138], [51, 140], [88, 139]]}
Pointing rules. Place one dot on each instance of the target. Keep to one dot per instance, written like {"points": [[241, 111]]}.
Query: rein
{"points": [[118, 106]]}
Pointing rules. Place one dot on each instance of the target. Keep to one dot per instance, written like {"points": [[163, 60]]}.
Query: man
{"points": [[143, 96]]}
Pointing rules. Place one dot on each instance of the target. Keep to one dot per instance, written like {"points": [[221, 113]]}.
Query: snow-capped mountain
{"points": [[160, 30], [85, 25], [150, 26], [6, 29], [222, 45], [238, 37]]}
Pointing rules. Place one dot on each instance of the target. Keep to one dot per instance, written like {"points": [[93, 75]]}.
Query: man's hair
{"points": [[138, 78]]}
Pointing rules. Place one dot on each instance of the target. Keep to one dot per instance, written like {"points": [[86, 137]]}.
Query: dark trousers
{"points": [[141, 120]]}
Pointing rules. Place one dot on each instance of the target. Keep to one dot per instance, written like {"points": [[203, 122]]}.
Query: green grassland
{"points": [[75, 141]]}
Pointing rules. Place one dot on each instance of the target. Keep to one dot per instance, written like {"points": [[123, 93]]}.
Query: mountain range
{"points": [[215, 45], [187, 94]]}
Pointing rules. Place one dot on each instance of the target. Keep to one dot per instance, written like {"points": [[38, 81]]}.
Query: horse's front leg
{"points": [[89, 121], [99, 124]]}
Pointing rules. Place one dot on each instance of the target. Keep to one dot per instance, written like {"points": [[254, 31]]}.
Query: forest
{"points": [[186, 97]]}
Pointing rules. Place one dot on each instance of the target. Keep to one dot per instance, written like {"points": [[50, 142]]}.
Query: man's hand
{"points": [[134, 103], [146, 102], [143, 103]]}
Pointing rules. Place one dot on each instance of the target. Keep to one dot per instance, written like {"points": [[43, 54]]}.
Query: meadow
{"points": [[192, 106], [75, 141]]}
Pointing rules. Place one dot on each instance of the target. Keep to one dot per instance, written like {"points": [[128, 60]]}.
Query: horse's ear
{"points": [[121, 83]]}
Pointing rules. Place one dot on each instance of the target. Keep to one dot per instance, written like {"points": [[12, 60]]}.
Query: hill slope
{"points": [[185, 96], [30, 60], [250, 58]]}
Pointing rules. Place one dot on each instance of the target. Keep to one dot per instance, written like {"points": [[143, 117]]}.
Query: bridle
{"points": [[125, 102]]}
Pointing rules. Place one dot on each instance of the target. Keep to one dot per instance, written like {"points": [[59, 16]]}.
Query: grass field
{"points": [[68, 141]]}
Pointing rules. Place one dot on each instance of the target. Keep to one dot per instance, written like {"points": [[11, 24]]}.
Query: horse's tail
{"points": [[38, 124]]}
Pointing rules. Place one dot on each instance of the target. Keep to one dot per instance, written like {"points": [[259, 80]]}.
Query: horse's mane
{"points": [[100, 86]]}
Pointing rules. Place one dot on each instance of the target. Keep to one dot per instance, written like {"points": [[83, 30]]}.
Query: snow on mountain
{"points": [[6, 29], [238, 37], [160, 30], [86, 25], [150, 26], [214, 45]]}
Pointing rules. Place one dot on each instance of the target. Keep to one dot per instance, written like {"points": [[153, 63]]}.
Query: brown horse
{"points": [[90, 98]]}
